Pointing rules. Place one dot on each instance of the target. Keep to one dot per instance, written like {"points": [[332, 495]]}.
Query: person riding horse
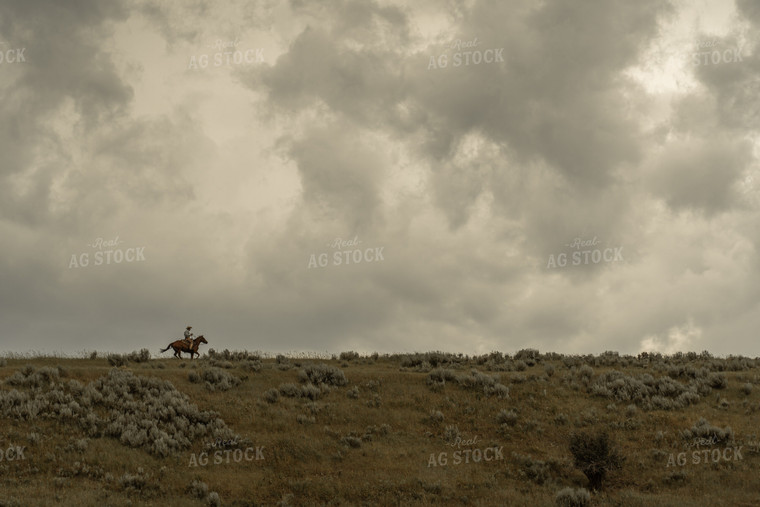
{"points": [[180, 346], [188, 336]]}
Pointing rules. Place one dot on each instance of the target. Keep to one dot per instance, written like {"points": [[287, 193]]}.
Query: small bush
{"points": [[218, 379], [487, 384], [451, 433], [198, 489], [349, 356], [116, 360], [501, 391], [290, 390], [594, 455], [508, 417], [310, 391], [703, 429], [441, 375], [717, 380], [322, 374], [351, 441], [213, 499], [436, 416], [252, 366], [585, 372], [272, 395], [133, 482], [530, 356], [534, 470], [139, 357], [570, 497]]}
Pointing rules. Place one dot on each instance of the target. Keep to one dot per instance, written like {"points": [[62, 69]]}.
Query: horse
{"points": [[182, 346]]}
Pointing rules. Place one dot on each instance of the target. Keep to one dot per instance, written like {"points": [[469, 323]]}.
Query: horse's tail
{"points": [[167, 348]]}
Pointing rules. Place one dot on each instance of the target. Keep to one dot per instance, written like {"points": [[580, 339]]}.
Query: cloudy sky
{"points": [[568, 176]]}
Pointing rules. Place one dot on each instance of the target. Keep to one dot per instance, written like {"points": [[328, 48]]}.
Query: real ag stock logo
{"points": [[715, 56], [12, 55], [227, 54], [705, 455], [223, 456], [466, 55], [586, 256], [466, 455], [110, 256], [12, 453], [345, 257]]}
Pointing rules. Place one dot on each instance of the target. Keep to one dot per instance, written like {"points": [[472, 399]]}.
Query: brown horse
{"points": [[182, 346]]}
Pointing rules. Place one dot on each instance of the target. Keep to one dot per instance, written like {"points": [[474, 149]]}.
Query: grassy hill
{"points": [[415, 429]]}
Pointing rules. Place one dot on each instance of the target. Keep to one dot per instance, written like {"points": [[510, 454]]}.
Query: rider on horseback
{"points": [[188, 336]]}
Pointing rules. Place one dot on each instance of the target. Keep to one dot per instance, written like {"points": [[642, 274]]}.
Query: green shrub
{"points": [[594, 455]]}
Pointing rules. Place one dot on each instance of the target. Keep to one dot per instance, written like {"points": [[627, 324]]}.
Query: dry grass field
{"points": [[236, 428]]}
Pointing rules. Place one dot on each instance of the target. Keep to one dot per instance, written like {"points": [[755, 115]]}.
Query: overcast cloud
{"points": [[572, 177]]}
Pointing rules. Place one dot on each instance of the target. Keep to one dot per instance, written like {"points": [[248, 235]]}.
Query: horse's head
{"points": [[201, 339]]}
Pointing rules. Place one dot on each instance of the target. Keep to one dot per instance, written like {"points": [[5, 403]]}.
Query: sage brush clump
{"points": [[488, 384], [570, 497], [134, 357], [235, 355], [218, 379], [703, 429], [662, 393], [532, 469], [140, 412], [322, 374], [198, 489]]}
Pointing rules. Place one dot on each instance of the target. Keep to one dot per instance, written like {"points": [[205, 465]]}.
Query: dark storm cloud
{"points": [[345, 181], [468, 177], [205, 21], [550, 101], [559, 97], [318, 68], [712, 148], [64, 62], [701, 174]]}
